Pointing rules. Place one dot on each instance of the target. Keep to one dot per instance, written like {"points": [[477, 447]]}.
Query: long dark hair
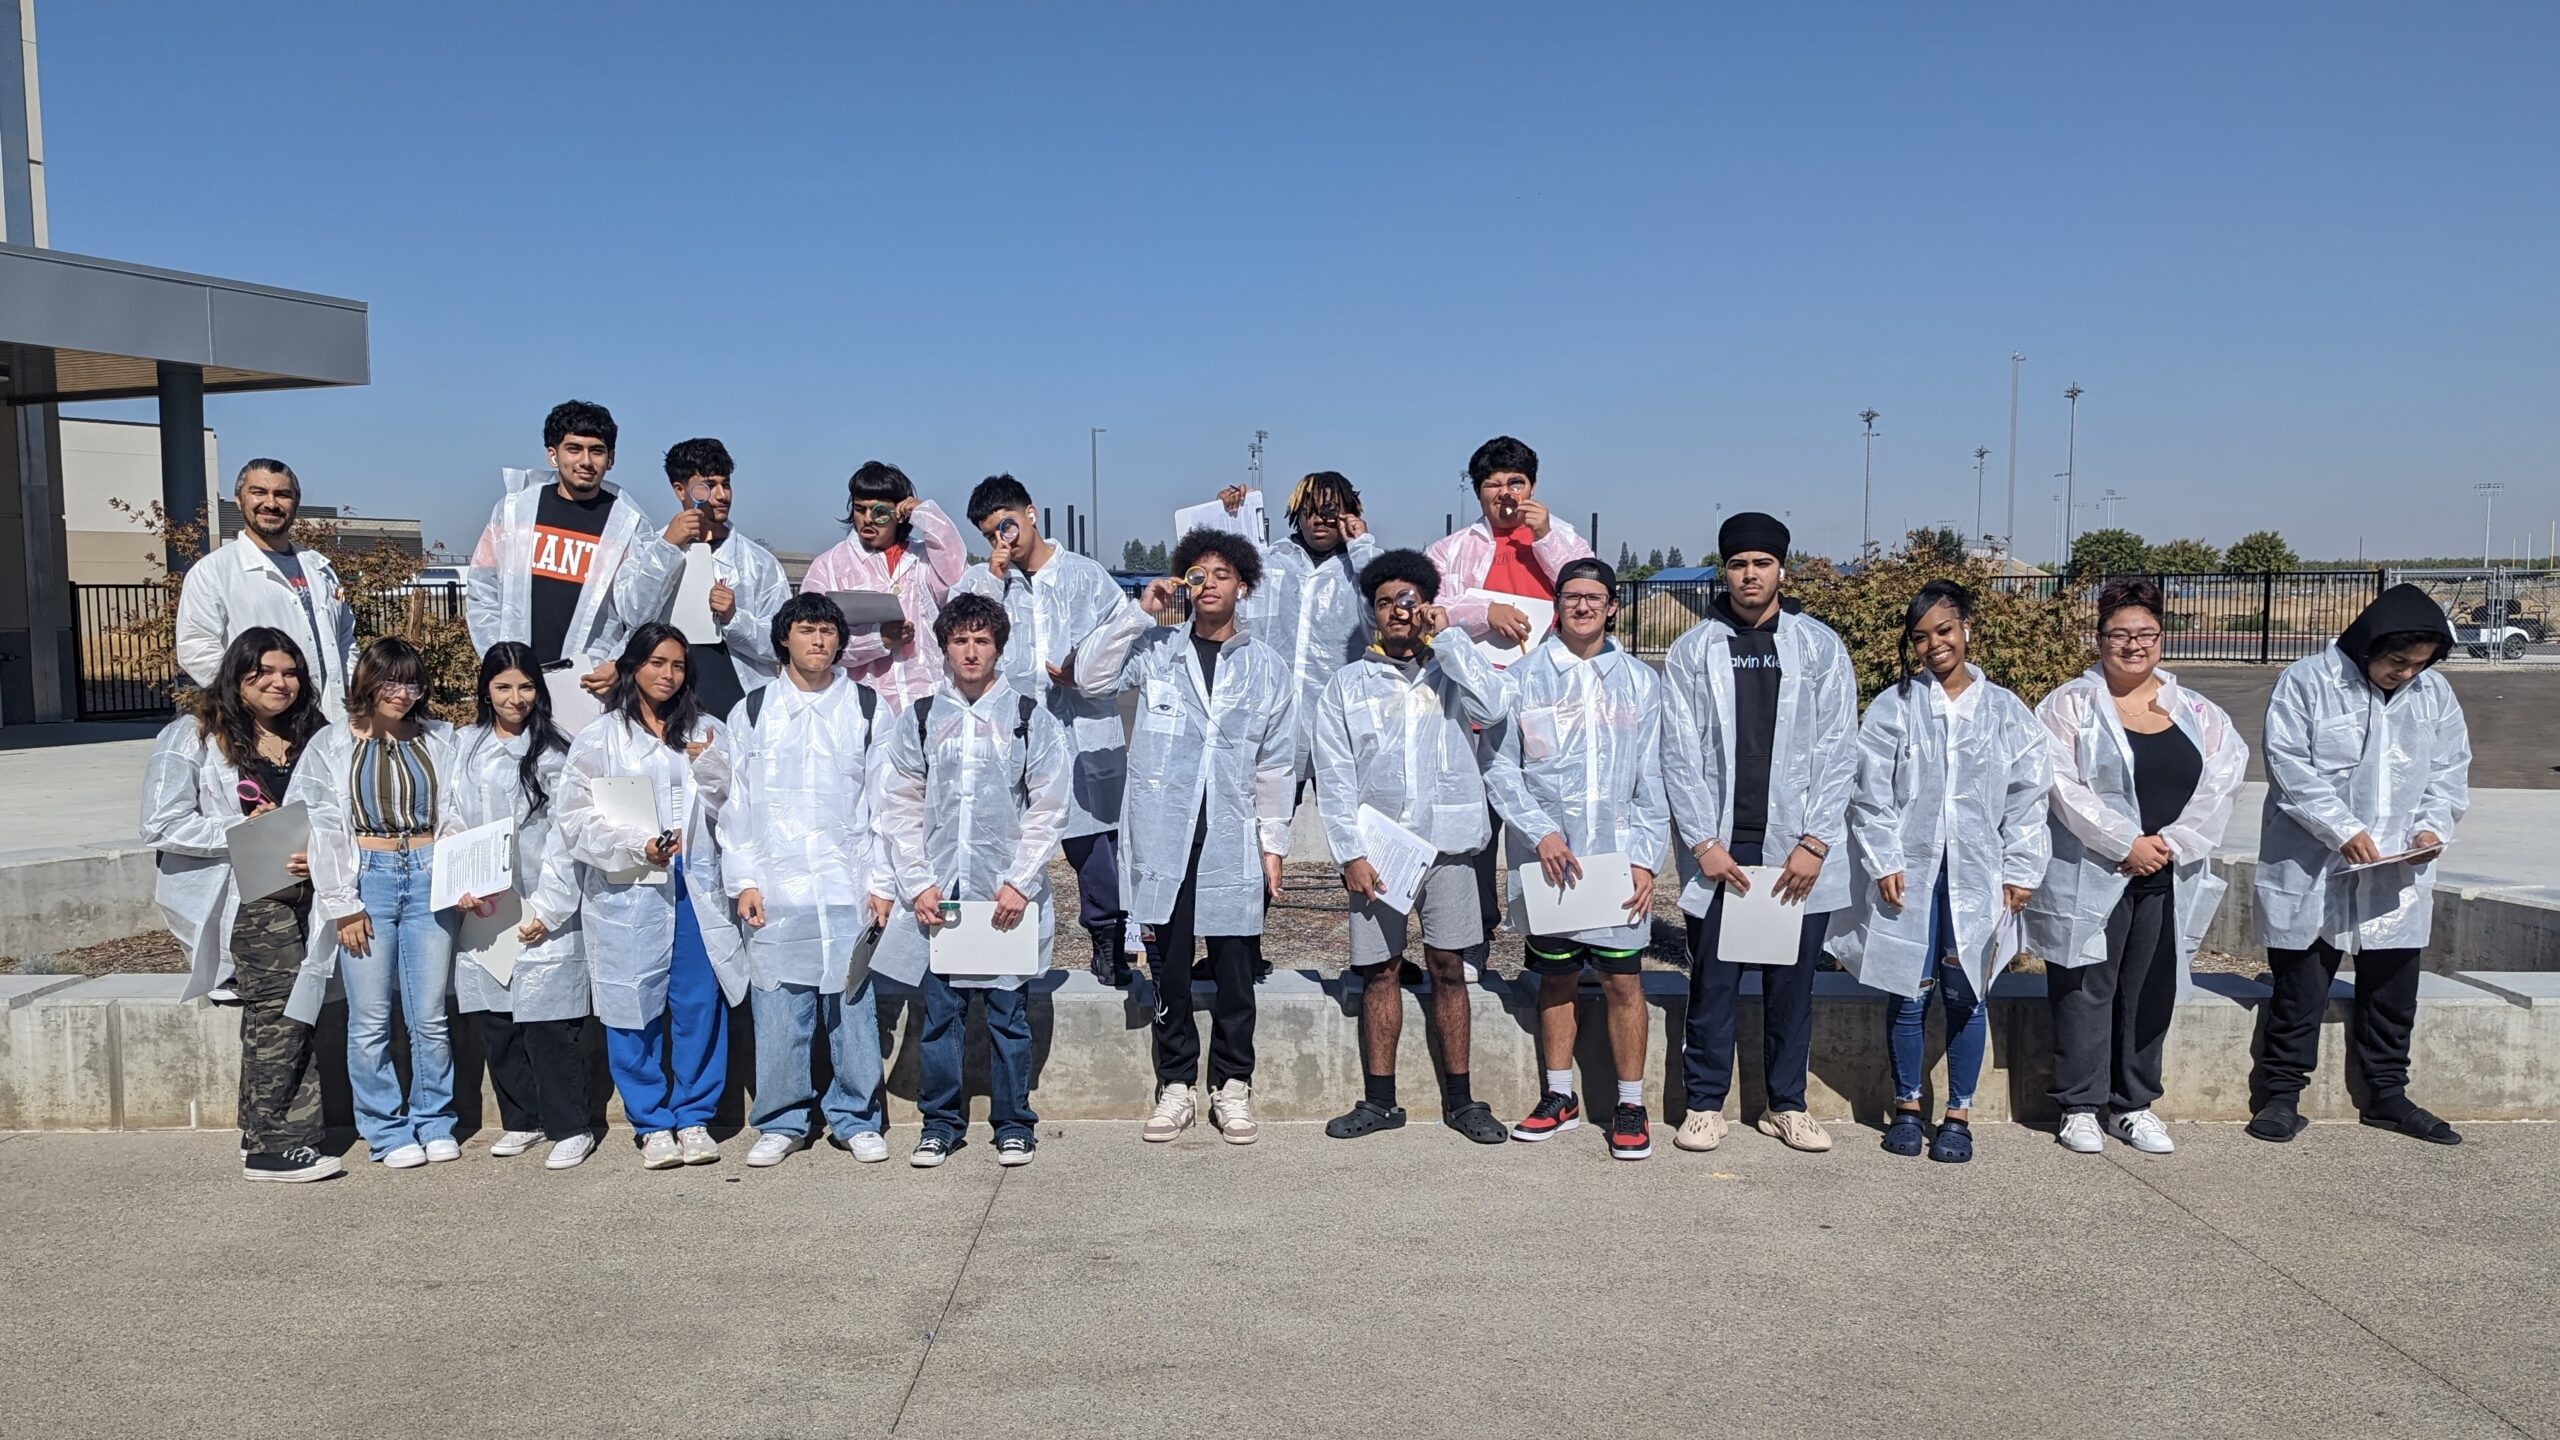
{"points": [[1931, 596], [678, 717], [509, 655], [222, 716]]}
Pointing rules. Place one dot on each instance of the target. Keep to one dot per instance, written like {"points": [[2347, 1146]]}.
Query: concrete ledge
{"points": [[64, 898], [2480, 925], [124, 1052]]}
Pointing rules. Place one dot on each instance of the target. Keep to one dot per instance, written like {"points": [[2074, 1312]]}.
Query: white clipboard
{"points": [[480, 861], [1598, 901], [2405, 857], [262, 849], [488, 935], [572, 708], [692, 613], [858, 967], [631, 801], [1542, 618], [1400, 857], [868, 607], [1758, 929], [972, 945], [1247, 521]]}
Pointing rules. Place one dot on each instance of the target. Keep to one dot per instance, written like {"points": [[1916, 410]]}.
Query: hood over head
{"points": [[2401, 610]]}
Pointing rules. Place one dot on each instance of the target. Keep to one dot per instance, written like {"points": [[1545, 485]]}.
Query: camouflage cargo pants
{"points": [[279, 1084]]}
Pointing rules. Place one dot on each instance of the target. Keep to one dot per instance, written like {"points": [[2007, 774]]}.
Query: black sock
{"points": [[1455, 1091], [1381, 1090]]}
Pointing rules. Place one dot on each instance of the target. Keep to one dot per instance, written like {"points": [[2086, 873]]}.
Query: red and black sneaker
{"points": [[1630, 1133], [1556, 1113]]}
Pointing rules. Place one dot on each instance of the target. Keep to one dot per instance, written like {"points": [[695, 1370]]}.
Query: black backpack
{"points": [[755, 703], [1021, 733]]}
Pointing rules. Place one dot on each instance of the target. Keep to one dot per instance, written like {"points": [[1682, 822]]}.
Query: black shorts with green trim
{"points": [[1546, 956]]}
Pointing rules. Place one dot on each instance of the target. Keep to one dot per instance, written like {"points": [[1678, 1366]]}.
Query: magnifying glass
{"points": [[1007, 528], [251, 793], [879, 512], [1195, 580]]}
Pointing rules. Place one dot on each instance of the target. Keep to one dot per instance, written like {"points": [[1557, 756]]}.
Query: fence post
{"points": [[2266, 616]]}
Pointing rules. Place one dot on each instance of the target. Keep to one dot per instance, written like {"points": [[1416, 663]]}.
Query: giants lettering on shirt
{"points": [[562, 554]]}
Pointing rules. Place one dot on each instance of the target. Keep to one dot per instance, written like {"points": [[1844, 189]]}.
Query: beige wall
{"points": [[106, 460]]}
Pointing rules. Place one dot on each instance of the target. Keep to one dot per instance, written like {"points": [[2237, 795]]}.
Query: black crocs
{"points": [[2416, 1123], [1365, 1118], [1475, 1121], [1953, 1144]]}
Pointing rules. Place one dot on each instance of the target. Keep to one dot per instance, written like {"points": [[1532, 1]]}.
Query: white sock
{"points": [[1630, 1092], [1560, 1081]]}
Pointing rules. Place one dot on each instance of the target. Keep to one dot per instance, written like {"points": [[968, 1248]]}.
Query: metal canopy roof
{"points": [[107, 326]]}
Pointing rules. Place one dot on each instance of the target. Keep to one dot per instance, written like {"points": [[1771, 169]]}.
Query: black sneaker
{"points": [[1475, 1121], [1015, 1150], [1631, 1133], [301, 1163], [1261, 971], [932, 1150], [1365, 1118], [2277, 1120], [1557, 1112]]}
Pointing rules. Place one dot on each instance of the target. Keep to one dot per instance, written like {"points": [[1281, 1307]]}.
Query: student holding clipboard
{"points": [[231, 757]]}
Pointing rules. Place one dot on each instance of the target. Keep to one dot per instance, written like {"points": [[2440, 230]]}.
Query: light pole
{"points": [[2108, 502], [1867, 505], [2071, 465], [2009, 535], [2488, 491], [1093, 457], [1981, 456]]}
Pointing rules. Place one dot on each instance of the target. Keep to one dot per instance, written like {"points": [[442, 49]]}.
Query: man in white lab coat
{"points": [[263, 578], [747, 588]]}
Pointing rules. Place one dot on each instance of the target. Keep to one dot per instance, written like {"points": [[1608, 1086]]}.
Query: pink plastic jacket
{"points": [[934, 559], [1465, 555]]}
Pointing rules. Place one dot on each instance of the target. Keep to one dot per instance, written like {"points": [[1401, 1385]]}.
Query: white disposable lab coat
{"points": [[968, 805], [239, 586], [656, 572], [631, 928], [1813, 761], [498, 593], [190, 801], [1313, 616], [1465, 557], [1580, 757], [2094, 817], [1395, 735], [550, 978], [2340, 759], [934, 560], [1071, 606], [795, 826], [1954, 786], [1218, 761]]}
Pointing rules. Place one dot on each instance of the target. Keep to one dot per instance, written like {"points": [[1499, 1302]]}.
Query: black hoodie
{"points": [[2396, 611]]}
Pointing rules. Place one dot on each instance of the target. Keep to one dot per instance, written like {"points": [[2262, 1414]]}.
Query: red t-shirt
{"points": [[890, 555], [1515, 566]]}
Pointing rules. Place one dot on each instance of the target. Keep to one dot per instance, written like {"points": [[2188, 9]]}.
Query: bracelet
{"points": [[1819, 853]]}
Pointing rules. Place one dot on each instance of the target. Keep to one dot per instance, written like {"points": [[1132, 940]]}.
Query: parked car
{"points": [[2507, 642]]}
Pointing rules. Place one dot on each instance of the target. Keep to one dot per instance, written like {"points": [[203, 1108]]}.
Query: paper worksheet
{"points": [[261, 849], [488, 935], [972, 945], [1542, 618], [1400, 857], [693, 597], [631, 802], [478, 861], [1247, 521], [867, 607], [1758, 929], [1597, 901], [572, 708], [2405, 857]]}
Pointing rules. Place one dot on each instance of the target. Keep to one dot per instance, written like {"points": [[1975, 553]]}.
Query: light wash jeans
{"points": [[1968, 1019], [411, 961], [790, 1021]]}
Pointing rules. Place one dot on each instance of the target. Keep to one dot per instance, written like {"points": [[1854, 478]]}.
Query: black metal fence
{"points": [[127, 653], [2260, 618]]}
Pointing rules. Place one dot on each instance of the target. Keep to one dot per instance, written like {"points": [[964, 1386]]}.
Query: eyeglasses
{"points": [[400, 692], [1580, 601], [1401, 600], [2130, 639]]}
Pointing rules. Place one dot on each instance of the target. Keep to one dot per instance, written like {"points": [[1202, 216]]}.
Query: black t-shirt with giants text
{"points": [[564, 551]]}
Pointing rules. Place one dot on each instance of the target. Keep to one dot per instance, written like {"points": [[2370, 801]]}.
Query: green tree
{"points": [[1654, 561], [2185, 557], [1671, 558], [1626, 558], [1133, 556], [2027, 642], [1159, 557], [1943, 544], [2096, 554], [2259, 550]]}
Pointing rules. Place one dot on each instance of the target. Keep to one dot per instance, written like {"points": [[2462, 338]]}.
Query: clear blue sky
{"points": [[2300, 256]]}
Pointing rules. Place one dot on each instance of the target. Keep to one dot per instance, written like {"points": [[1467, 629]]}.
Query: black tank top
{"points": [[2167, 767]]}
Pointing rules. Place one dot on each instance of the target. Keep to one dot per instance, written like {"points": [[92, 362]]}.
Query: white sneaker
{"points": [[1176, 1108], [773, 1149], [1231, 1113], [566, 1154], [441, 1150], [869, 1147], [405, 1157], [2080, 1134], [2143, 1131], [514, 1143], [695, 1145], [658, 1151]]}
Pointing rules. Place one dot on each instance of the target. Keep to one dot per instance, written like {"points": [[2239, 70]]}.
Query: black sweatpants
{"points": [[2111, 1019], [2386, 1009], [1232, 959], [538, 1071]]}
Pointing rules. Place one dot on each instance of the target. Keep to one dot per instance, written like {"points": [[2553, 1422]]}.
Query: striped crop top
{"points": [[391, 789]]}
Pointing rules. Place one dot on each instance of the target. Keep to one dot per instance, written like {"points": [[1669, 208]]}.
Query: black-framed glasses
{"points": [[2130, 639], [1579, 601]]}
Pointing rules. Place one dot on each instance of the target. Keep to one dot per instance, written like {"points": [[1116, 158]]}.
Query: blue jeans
{"points": [[789, 1020], [1968, 1019], [411, 960], [671, 1070], [938, 1095]]}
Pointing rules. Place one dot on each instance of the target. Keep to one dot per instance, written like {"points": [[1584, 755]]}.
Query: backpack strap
{"points": [[755, 705], [924, 738]]}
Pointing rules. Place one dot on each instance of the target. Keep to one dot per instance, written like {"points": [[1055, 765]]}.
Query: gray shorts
{"points": [[1452, 915]]}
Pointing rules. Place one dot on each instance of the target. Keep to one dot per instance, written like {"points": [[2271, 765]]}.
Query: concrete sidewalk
{"points": [[2351, 1284]]}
